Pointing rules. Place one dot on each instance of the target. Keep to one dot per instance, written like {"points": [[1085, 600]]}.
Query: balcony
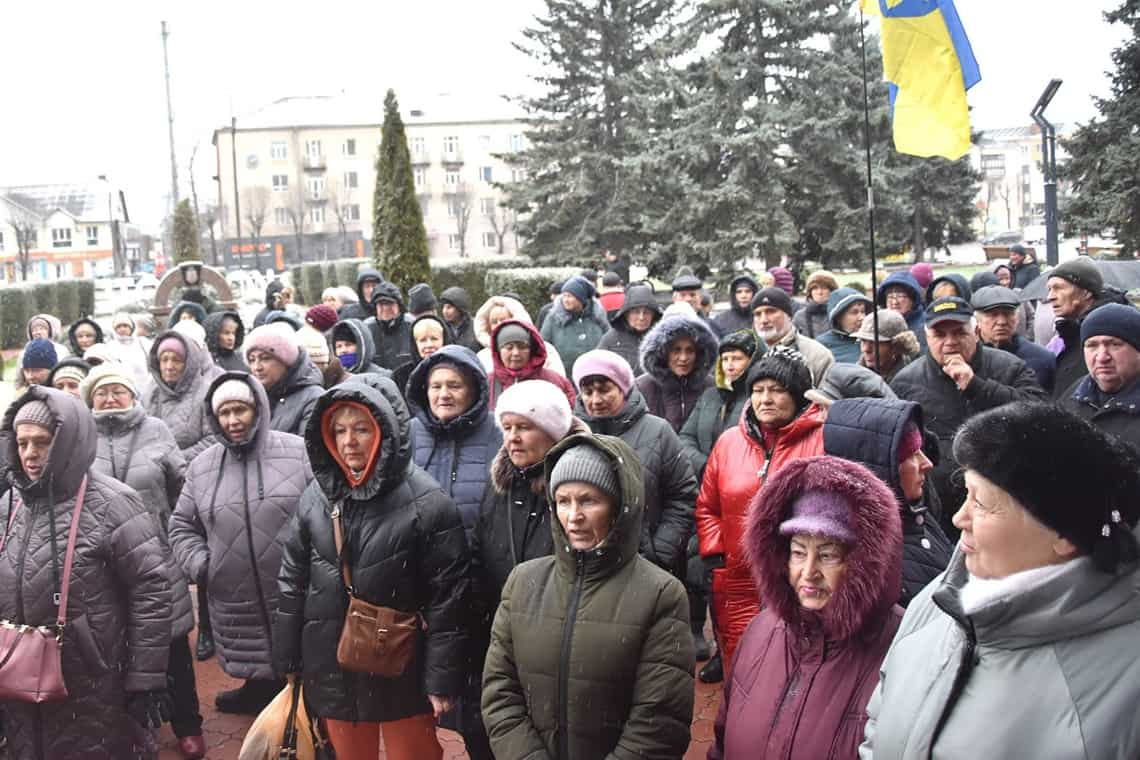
{"points": [[321, 197], [315, 163], [457, 188], [421, 158], [451, 157], [423, 189]]}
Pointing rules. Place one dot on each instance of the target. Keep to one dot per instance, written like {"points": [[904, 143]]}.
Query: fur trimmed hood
{"points": [[655, 345], [483, 316], [502, 471], [873, 580], [593, 310]]}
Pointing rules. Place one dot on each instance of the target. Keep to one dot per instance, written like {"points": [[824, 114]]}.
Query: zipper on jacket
{"points": [[564, 660], [965, 668]]}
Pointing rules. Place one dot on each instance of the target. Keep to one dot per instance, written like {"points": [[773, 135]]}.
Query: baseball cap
{"points": [[948, 308]]}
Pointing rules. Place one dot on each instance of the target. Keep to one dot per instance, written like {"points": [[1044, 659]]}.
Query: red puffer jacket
{"points": [[737, 468]]}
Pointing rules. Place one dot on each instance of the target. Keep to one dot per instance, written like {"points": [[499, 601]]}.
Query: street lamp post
{"points": [[113, 228], [1048, 169]]}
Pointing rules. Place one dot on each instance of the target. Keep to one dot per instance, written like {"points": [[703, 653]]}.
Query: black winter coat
{"points": [[666, 395], [999, 378], [230, 360], [292, 400], [404, 542], [463, 333], [1071, 361], [362, 309], [869, 431], [1037, 358], [1117, 415], [670, 485], [392, 338]]}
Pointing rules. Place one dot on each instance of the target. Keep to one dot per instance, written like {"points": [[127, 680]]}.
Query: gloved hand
{"points": [[712, 562], [150, 709]]}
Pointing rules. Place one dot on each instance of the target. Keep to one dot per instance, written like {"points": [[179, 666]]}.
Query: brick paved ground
{"points": [[224, 733]]}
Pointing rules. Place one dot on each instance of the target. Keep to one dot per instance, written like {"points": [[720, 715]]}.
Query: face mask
{"points": [[348, 361]]}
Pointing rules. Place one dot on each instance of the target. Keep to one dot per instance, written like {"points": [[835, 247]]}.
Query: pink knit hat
{"points": [[784, 279], [277, 338], [541, 402], [923, 272], [607, 364], [821, 513], [173, 345]]}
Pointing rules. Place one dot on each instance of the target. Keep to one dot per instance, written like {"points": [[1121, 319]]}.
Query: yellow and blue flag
{"points": [[928, 61]]}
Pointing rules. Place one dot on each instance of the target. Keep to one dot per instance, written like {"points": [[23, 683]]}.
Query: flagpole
{"points": [[870, 187]]}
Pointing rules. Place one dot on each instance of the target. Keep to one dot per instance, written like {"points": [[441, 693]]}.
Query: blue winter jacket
{"points": [[842, 346], [457, 453]]}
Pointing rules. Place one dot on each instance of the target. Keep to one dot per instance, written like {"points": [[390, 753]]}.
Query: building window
{"points": [[316, 188], [350, 180], [453, 242], [451, 179], [518, 175], [280, 216], [487, 206], [424, 207], [92, 235], [352, 212], [61, 237], [278, 150], [317, 214], [349, 147], [516, 142], [418, 148], [454, 206], [419, 177], [313, 148], [280, 183], [451, 144], [485, 173], [490, 240]]}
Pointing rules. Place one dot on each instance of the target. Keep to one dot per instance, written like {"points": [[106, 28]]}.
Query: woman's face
{"points": [[67, 385], [733, 363], [999, 537], [267, 368], [586, 514], [912, 474], [682, 357], [448, 394], [111, 396], [36, 376], [601, 396], [124, 330], [170, 367], [331, 300], [187, 316], [40, 329], [236, 420], [899, 299], [773, 406], [227, 335], [816, 566], [85, 336], [514, 355], [429, 339], [526, 443], [497, 315], [354, 435], [639, 318], [1004, 277]]}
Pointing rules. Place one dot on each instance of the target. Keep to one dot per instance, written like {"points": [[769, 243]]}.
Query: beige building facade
{"points": [[305, 169]]}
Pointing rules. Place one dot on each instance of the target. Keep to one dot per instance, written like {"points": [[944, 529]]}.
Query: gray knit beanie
{"points": [[586, 464], [35, 412]]}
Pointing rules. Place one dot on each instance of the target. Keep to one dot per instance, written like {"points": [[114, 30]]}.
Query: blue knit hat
{"points": [[1113, 319], [579, 287], [39, 354]]}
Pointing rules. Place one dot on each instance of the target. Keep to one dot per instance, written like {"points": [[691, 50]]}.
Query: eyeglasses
{"points": [[103, 394]]}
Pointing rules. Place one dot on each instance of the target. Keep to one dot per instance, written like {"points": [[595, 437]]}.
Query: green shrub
{"points": [[471, 274], [45, 297], [68, 306], [532, 285], [312, 283], [346, 270], [85, 296], [17, 304], [328, 274], [295, 280]]}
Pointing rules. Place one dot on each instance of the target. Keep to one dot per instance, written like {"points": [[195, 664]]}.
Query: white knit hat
{"points": [[232, 390], [314, 343], [541, 402], [191, 329], [107, 373]]}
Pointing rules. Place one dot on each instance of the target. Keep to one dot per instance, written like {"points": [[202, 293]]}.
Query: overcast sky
{"points": [[84, 92]]}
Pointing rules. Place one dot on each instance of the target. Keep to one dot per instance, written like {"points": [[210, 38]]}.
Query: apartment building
{"points": [[1011, 195], [66, 230], [305, 169]]}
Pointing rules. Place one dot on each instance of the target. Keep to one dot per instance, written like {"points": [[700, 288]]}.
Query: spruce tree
{"points": [[184, 234], [399, 241], [580, 194], [1104, 163]]}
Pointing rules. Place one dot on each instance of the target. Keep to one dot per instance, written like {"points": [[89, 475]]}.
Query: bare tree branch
{"points": [[297, 215], [26, 224]]}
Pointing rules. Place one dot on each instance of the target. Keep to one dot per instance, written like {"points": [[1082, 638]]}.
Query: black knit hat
{"points": [[420, 298], [1082, 272], [775, 297], [741, 340], [787, 367], [1089, 498]]}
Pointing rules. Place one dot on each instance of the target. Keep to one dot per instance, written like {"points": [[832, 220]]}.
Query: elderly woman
{"points": [[117, 633], [520, 355], [590, 653], [228, 528], [398, 542], [1037, 616], [139, 451], [778, 426], [68, 374], [825, 547], [290, 379], [429, 334], [182, 373], [454, 437], [498, 309]]}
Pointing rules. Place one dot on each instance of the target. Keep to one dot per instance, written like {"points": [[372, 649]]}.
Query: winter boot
{"points": [[713, 671]]}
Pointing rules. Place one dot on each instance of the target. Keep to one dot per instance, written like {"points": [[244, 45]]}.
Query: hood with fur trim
{"points": [[873, 580], [655, 346], [483, 316]]}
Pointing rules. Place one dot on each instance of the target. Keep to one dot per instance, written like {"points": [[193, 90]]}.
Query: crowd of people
{"points": [[896, 508]]}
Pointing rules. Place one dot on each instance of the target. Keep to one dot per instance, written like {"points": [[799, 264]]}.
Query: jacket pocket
{"points": [[89, 648]]}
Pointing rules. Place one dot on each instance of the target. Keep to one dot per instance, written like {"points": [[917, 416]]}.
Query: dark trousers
{"points": [[203, 611], [183, 688]]}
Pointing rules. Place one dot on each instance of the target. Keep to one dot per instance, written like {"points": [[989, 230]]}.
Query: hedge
{"points": [[46, 298], [471, 274], [346, 270], [66, 299], [17, 305], [532, 285]]}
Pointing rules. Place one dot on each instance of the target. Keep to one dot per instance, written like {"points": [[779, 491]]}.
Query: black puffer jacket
{"points": [[231, 359], [362, 309], [670, 485], [292, 400], [869, 431], [272, 292], [117, 637], [621, 339], [392, 338], [354, 330], [999, 378], [462, 333], [737, 317], [404, 541], [670, 397]]}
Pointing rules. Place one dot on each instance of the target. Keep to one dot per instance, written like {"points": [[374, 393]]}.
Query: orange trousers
{"points": [[408, 739]]}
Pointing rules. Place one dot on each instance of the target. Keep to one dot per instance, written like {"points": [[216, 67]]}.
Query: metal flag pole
{"points": [[870, 188]]}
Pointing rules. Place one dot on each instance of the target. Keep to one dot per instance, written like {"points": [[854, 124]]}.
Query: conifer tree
{"points": [[184, 234], [399, 241]]}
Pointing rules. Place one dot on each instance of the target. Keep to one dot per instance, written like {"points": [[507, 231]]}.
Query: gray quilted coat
{"points": [[229, 526], [138, 450], [117, 637], [181, 407]]}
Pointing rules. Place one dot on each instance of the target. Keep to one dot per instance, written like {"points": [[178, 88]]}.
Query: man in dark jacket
{"points": [[456, 312], [616, 263], [1024, 265], [224, 335], [367, 279], [739, 315], [390, 328], [886, 437], [955, 380], [637, 315], [1109, 397], [1074, 289], [272, 302], [292, 382], [996, 310]]}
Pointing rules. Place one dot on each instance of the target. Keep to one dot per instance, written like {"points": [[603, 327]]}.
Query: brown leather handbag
{"points": [[31, 656], [376, 640]]}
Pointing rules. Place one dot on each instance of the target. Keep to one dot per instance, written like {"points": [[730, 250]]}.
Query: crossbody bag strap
{"points": [[70, 555], [338, 536]]}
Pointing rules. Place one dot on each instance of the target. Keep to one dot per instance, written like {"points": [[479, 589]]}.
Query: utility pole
{"points": [[237, 201], [1049, 169], [170, 124]]}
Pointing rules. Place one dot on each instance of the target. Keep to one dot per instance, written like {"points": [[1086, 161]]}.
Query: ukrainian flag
{"points": [[929, 63]]}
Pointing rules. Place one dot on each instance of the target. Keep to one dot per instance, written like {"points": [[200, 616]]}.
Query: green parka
{"points": [[591, 654]]}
